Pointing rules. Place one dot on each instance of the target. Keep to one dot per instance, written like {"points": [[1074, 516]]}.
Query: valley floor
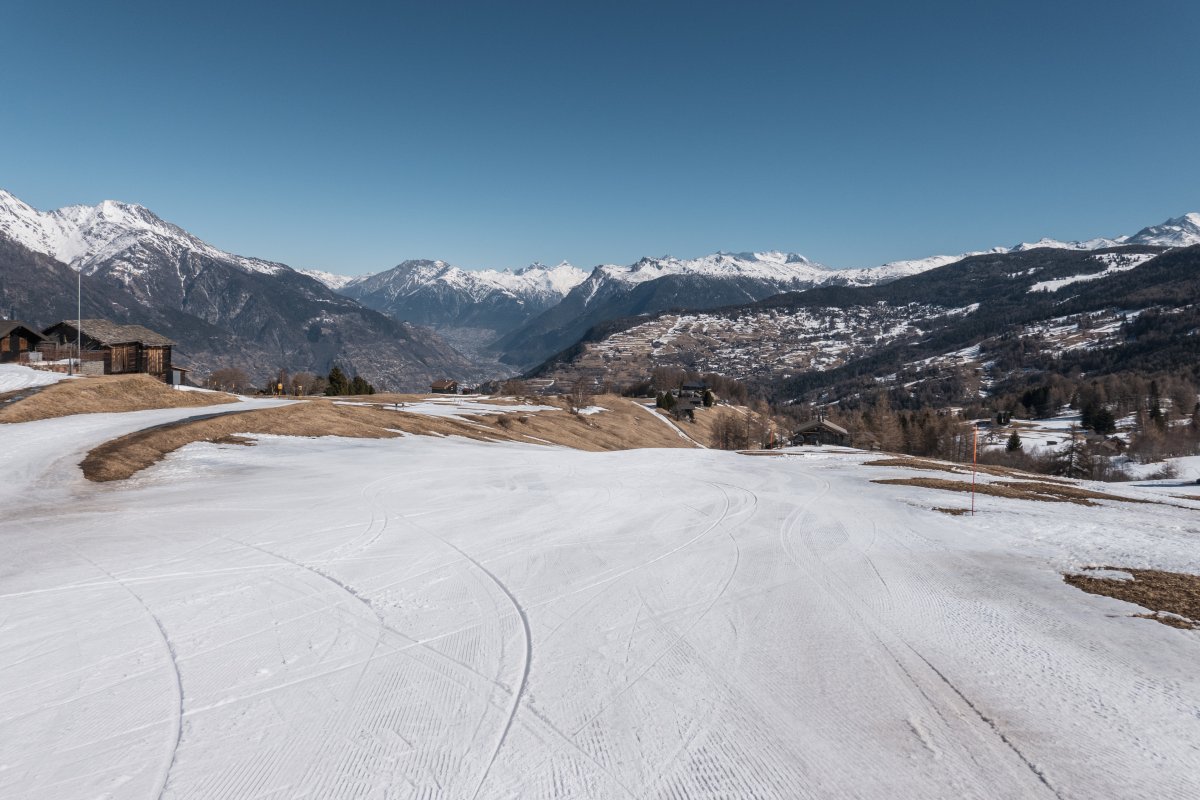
{"points": [[432, 617]]}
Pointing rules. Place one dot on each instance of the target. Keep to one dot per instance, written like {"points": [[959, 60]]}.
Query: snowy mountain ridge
{"points": [[85, 236], [410, 276]]}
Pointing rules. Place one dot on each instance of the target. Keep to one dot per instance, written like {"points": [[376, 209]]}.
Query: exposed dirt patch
{"points": [[959, 469], [1017, 490], [954, 512], [1161, 592], [108, 393], [623, 427]]}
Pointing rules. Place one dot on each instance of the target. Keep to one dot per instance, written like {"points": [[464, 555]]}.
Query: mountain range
{"points": [[222, 309], [404, 326], [942, 336]]}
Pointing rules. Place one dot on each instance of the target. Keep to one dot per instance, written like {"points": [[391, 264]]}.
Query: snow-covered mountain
{"points": [[650, 285], [109, 236], [280, 317], [1176, 232], [330, 279], [447, 297], [1018, 302]]}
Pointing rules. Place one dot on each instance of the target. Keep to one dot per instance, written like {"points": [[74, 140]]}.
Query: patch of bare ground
{"points": [[108, 393], [622, 427], [1164, 593], [954, 512], [959, 469], [1017, 490]]}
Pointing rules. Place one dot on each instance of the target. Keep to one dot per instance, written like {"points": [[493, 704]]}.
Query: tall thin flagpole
{"points": [[79, 317]]}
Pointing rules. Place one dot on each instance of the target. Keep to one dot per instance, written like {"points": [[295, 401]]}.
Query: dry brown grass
{"points": [[1162, 592], [994, 470], [954, 512], [1017, 490], [108, 393], [623, 427]]}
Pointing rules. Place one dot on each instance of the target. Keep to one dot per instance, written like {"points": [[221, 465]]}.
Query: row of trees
{"points": [[237, 380]]}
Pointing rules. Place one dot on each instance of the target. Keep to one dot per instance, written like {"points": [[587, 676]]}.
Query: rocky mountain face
{"points": [[268, 315], [981, 319], [41, 291]]}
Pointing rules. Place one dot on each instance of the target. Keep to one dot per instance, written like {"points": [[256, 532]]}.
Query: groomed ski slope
{"points": [[425, 617]]}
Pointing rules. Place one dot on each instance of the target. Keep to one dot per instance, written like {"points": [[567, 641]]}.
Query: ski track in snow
{"points": [[425, 618]]}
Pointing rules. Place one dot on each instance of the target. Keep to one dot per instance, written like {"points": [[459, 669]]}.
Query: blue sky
{"points": [[494, 134]]}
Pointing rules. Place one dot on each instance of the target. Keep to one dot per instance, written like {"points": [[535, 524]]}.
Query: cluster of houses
{"points": [[90, 347]]}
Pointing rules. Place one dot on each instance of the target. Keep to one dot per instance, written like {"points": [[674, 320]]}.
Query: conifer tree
{"points": [[337, 383]]}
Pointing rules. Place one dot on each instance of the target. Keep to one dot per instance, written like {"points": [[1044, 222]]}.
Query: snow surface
{"points": [[452, 406], [1116, 262], [14, 377], [431, 617]]}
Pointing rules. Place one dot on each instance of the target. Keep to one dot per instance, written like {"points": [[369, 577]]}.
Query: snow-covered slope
{"points": [[424, 617]]}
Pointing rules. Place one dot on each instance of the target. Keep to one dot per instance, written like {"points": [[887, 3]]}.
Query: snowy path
{"points": [[437, 618]]}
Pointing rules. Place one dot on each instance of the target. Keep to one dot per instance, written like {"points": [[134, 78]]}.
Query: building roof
{"points": [[821, 423], [443, 384], [7, 326], [110, 333]]}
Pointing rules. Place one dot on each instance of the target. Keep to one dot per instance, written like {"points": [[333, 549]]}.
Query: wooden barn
{"points": [[119, 349], [444, 387], [17, 341], [820, 431]]}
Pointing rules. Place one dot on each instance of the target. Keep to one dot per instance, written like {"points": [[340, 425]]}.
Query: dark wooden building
{"points": [[820, 431], [444, 387], [17, 341], [120, 349]]}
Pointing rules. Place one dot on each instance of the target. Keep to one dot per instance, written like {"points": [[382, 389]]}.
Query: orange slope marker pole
{"points": [[974, 463]]}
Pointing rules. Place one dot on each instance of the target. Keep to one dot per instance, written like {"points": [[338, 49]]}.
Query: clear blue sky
{"points": [[352, 136]]}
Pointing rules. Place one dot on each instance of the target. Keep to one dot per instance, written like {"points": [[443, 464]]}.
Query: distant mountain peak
{"points": [[1181, 231]]}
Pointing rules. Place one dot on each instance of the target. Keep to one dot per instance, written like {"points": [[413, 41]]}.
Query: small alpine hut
{"points": [[119, 349], [820, 431], [444, 387], [17, 341]]}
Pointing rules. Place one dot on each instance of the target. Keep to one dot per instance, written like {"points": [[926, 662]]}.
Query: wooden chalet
{"points": [[113, 349], [685, 406], [444, 387], [820, 431], [18, 341]]}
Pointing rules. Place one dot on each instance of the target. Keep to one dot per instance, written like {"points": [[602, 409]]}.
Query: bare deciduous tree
{"points": [[229, 379]]}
